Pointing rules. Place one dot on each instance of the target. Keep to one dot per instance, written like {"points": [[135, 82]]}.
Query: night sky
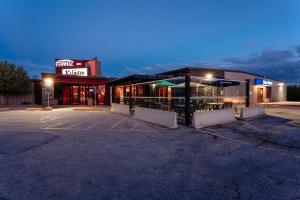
{"points": [[145, 37]]}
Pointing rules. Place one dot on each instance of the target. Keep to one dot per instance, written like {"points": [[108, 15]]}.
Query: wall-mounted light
{"points": [[208, 76], [280, 84], [153, 85], [48, 81]]}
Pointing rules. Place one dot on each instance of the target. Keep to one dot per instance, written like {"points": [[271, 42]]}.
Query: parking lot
{"points": [[67, 154]]}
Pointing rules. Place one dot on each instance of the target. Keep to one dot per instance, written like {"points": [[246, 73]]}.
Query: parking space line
{"points": [[129, 130], [97, 123], [48, 119], [51, 126], [246, 143], [116, 124]]}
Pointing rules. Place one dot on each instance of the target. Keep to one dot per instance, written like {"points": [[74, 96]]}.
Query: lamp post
{"points": [[48, 84]]}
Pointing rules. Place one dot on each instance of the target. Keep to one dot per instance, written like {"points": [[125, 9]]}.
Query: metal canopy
{"points": [[215, 81]]}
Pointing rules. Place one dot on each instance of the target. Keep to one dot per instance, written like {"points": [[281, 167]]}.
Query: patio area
{"points": [[183, 95]]}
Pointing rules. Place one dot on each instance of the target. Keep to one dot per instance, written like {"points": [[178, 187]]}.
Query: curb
{"points": [[4, 109], [38, 109]]}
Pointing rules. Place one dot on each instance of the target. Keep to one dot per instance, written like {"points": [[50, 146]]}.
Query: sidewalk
{"points": [[34, 107], [283, 103]]}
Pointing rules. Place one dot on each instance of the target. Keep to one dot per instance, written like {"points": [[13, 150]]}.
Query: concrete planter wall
{"points": [[120, 108], [252, 112], [160, 117], [210, 118]]}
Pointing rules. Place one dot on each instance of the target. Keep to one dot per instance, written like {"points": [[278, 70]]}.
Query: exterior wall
{"points": [[278, 91], [71, 80], [94, 66], [45, 96], [21, 98]]}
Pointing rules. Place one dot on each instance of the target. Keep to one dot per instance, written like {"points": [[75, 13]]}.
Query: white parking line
{"points": [[50, 127], [48, 119], [97, 123], [246, 143], [116, 124]]}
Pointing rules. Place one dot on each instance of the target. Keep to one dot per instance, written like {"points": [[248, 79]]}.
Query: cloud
{"points": [[298, 49], [247, 44], [281, 64], [158, 68], [278, 64]]}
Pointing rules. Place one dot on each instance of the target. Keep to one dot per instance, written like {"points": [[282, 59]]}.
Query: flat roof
{"points": [[80, 77], [188, 69], [137, 78]]}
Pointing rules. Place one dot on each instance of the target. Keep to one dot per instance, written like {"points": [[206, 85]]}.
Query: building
{"points": [[190, 90], [75, 82]]}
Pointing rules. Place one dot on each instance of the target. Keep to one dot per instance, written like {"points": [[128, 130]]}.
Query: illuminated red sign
{"points": [[71, 67]]}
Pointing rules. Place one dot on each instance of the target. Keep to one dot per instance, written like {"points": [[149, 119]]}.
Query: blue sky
{"points": [[136, 36]]}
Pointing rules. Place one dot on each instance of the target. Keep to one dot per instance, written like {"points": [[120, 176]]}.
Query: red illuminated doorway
{"points": [[81, 95], [260, 95]]}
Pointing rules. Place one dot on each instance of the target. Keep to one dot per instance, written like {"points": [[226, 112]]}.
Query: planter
{"points": [[159, 117], [253, 111], [211, 118], [120, 108]]}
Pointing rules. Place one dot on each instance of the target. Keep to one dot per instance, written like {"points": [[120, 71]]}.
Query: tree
{"points": [[13, 80]]}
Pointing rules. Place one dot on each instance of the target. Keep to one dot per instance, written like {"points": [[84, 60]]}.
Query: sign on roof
{"points": [[259, 81]]}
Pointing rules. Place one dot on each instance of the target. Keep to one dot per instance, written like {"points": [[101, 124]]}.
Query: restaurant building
{"points": [[75, 82], [190, 90]]}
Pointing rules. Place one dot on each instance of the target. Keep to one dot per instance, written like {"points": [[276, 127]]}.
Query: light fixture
{"points": [[209, 76], [48, 81], [280, 84], [153, 85]]}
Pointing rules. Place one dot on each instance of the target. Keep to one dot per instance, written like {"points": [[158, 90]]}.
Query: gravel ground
{"points": [[66, 154]]}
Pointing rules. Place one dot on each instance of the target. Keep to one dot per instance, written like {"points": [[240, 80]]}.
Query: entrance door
{"points": [[260, 95]]}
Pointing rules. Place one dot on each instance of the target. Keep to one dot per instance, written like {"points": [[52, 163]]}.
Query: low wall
{"points": [[160, 117], [17, 99], [119, 108], [252, 111], [210, 118]]}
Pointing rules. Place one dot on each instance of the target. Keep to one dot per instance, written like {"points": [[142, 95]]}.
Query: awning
{"points": [[164, 83]]}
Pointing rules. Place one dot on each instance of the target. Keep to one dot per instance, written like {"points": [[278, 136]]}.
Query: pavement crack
{"points": [[52, 139]]}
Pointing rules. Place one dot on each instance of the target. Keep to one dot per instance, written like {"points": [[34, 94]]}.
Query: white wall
{"points": [[252, 111], [278, 93], [160, 117], [211, 118]]}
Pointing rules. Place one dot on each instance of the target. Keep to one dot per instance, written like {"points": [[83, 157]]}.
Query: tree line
{"points": [[13, 79]]}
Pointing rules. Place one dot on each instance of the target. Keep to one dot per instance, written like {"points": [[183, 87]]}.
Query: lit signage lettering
{"points": [[75, 72], [64, 63], [259, 81]]}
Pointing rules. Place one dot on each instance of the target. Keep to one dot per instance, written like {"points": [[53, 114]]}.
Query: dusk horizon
{"points": [[139, 99], [137, 37]]}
